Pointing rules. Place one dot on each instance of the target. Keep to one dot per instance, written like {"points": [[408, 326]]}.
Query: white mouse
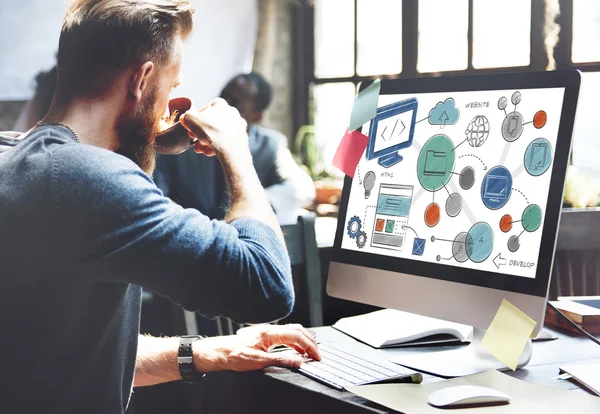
{"points": [[466, 395]]}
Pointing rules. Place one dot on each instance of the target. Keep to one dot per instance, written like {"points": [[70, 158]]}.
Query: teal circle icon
{"points": [[436, 162], [538, 157], [532, 218], [480, 242]]}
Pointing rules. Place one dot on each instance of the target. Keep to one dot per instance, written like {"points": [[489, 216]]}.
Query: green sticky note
{"points": [[365, 106], [508, 333]]}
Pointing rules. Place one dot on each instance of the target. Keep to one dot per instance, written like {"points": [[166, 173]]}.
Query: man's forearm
{"points": [[156, 361], [248, 198]]}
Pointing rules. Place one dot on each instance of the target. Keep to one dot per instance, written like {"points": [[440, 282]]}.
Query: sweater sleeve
{"points": [[118, 227]]}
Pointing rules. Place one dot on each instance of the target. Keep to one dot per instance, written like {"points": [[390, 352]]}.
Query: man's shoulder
{"points": [[82, 166], [86, 156], [269, 134]]}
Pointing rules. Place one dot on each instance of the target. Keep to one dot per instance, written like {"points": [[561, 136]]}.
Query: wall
{"points": [[273, 59], [221, 46]]}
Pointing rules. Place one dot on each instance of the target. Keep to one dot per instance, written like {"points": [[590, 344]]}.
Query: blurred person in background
{"points": [[199, 183]]}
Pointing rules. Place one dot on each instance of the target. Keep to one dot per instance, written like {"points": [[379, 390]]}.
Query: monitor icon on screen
{"points": [[496, 188], [391, 130]]}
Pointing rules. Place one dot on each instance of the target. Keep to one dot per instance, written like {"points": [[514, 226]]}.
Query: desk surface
{"points": [[281, 390]]}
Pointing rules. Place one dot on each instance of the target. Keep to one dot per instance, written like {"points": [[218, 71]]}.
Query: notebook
{"points": [[587, 374], [587, 317], [392, 328]]}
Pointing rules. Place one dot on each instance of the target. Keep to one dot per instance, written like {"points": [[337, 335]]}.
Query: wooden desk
{"points": [[279, 390]]}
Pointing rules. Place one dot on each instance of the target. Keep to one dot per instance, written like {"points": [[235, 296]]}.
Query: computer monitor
{"points": [[391, 130], [470, 217]]}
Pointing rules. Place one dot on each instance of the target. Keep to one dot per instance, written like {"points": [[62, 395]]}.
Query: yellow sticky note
{"points": [[508, 333]]}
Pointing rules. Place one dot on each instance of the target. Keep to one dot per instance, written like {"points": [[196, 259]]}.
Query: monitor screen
{"points": [[472, 190], [393, 130]]}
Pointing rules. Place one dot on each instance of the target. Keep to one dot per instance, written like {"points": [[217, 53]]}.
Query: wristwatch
{"points": [[185, 359]]}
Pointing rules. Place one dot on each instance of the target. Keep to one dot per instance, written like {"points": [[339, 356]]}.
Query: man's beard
{"points": [[137, 133]]}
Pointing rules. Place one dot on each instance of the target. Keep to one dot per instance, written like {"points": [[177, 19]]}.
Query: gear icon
{"points": [[361, 240], [354, 227]]}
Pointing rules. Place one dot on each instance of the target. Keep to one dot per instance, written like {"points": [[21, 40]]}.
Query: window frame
{"points": [[304, 59]]}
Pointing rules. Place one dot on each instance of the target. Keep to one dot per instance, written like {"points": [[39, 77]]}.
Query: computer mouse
{"points": [[467, 395]]}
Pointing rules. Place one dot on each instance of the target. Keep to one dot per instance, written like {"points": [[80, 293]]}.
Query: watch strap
{"points": [[185, 359]]}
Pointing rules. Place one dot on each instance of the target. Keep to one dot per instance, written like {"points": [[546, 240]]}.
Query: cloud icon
{"points": [[444, 113]]}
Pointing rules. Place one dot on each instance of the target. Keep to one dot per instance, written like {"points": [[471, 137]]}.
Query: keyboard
{"points": [[340, 369]]}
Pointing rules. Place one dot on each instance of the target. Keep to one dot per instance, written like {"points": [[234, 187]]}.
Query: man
{"points": [[199, 183], [83, 227]]}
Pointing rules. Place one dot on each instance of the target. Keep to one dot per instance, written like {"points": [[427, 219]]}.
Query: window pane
{"points": [[501, 33], [586, 135], [334, 38], [586, 29], [332, 105], [443, 27], [379, 37]]}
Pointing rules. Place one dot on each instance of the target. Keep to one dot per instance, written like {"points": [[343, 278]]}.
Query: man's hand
{"points": [[249, 349], [218, 127]]}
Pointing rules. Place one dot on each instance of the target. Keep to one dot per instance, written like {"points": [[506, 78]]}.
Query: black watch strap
{"points": [[185, 359]]}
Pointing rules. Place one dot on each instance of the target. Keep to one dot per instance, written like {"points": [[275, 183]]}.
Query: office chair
{"points": [[302, 247]]}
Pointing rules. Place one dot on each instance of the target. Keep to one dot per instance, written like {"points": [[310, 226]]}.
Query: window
{"points": [[443, 30], [333, 103], [501, 33], [334, 29], [586, 31], [586, 132], [354, 39], [379, 37], [357, 40], [585, 56]]}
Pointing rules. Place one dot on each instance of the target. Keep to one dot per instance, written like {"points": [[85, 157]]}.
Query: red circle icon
{"points": [[539, 119], [506, 223], [432, 214]]}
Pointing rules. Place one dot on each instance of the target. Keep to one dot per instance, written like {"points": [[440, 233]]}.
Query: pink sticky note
{"points": [[348, 154]]}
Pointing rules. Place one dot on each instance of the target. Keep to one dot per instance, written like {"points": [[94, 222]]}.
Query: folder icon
{"points": [[435, 163]]}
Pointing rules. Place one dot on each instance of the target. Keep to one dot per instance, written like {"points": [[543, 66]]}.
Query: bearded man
{"points": [[83, 227]]}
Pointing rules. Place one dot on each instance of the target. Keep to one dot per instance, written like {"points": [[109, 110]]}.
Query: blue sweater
{"points": [[81, 230]]}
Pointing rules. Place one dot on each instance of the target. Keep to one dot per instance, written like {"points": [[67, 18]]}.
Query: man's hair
{"points": [[100, 38], [264, 91]]}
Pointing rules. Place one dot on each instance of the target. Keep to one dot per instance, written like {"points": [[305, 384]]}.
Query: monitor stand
{"points": [[390, 159], [460, 361]]}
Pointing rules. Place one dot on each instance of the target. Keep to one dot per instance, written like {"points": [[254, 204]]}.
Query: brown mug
{"points": [[175, 139]]}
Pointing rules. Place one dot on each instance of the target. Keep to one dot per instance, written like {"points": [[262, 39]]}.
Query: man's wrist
{"points": [[206, 356], [211, 354], [239, 172], [236, 161]]}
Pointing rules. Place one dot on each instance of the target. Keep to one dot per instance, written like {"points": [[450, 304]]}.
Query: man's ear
{"points": [[139, 80]]}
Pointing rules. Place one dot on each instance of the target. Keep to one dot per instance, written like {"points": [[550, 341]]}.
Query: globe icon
{"points": [[478, 131]]}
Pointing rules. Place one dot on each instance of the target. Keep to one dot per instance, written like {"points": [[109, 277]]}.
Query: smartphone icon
{"points": [[537, 160], [512, 125]]}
